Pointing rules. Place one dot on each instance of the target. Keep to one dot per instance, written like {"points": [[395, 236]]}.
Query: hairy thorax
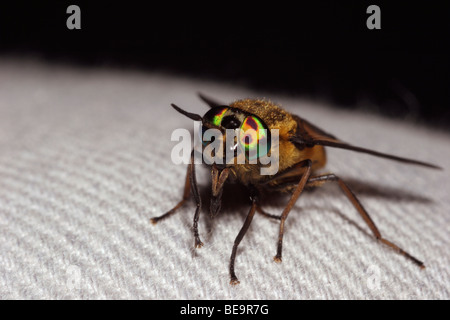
{"points": [[288, 154]]}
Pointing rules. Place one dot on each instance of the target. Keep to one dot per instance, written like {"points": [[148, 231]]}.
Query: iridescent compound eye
{"points": [[254, 138], [213, 116]]}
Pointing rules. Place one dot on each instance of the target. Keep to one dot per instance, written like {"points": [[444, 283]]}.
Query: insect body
{"points": [[301, 154]]}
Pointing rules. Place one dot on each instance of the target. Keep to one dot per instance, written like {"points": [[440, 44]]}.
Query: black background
{"points": [[277, 308], [320, 50]]}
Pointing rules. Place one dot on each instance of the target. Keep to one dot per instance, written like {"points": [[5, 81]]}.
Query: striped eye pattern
{"points": [[214, 116], [253, 138]]}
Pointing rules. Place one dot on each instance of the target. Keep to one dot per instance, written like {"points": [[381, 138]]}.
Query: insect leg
{"points": [[186, 194], [233, 279], [298, 190], [190, 184], [319, 180], [198, 201], [267, 215]]}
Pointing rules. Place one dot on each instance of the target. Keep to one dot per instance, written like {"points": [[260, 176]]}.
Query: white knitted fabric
{"points": [[85, 162]]}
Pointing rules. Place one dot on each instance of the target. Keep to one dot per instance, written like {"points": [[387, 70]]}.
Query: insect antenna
{"points": [[193, 116]]}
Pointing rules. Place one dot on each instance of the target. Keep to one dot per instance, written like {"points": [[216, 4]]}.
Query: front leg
{"points": [[298, 190], [254, 198], [198, 201], [190, 186], [186, 195]]}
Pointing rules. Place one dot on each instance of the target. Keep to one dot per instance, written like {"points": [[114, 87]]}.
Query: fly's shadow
{"points": [[236, 199]]}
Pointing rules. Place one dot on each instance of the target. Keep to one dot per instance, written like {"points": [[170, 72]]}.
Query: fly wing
{"points": [[308, 135]]}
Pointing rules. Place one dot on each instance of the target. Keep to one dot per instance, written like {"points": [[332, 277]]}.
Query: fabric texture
{"points": [[85, 163]]}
